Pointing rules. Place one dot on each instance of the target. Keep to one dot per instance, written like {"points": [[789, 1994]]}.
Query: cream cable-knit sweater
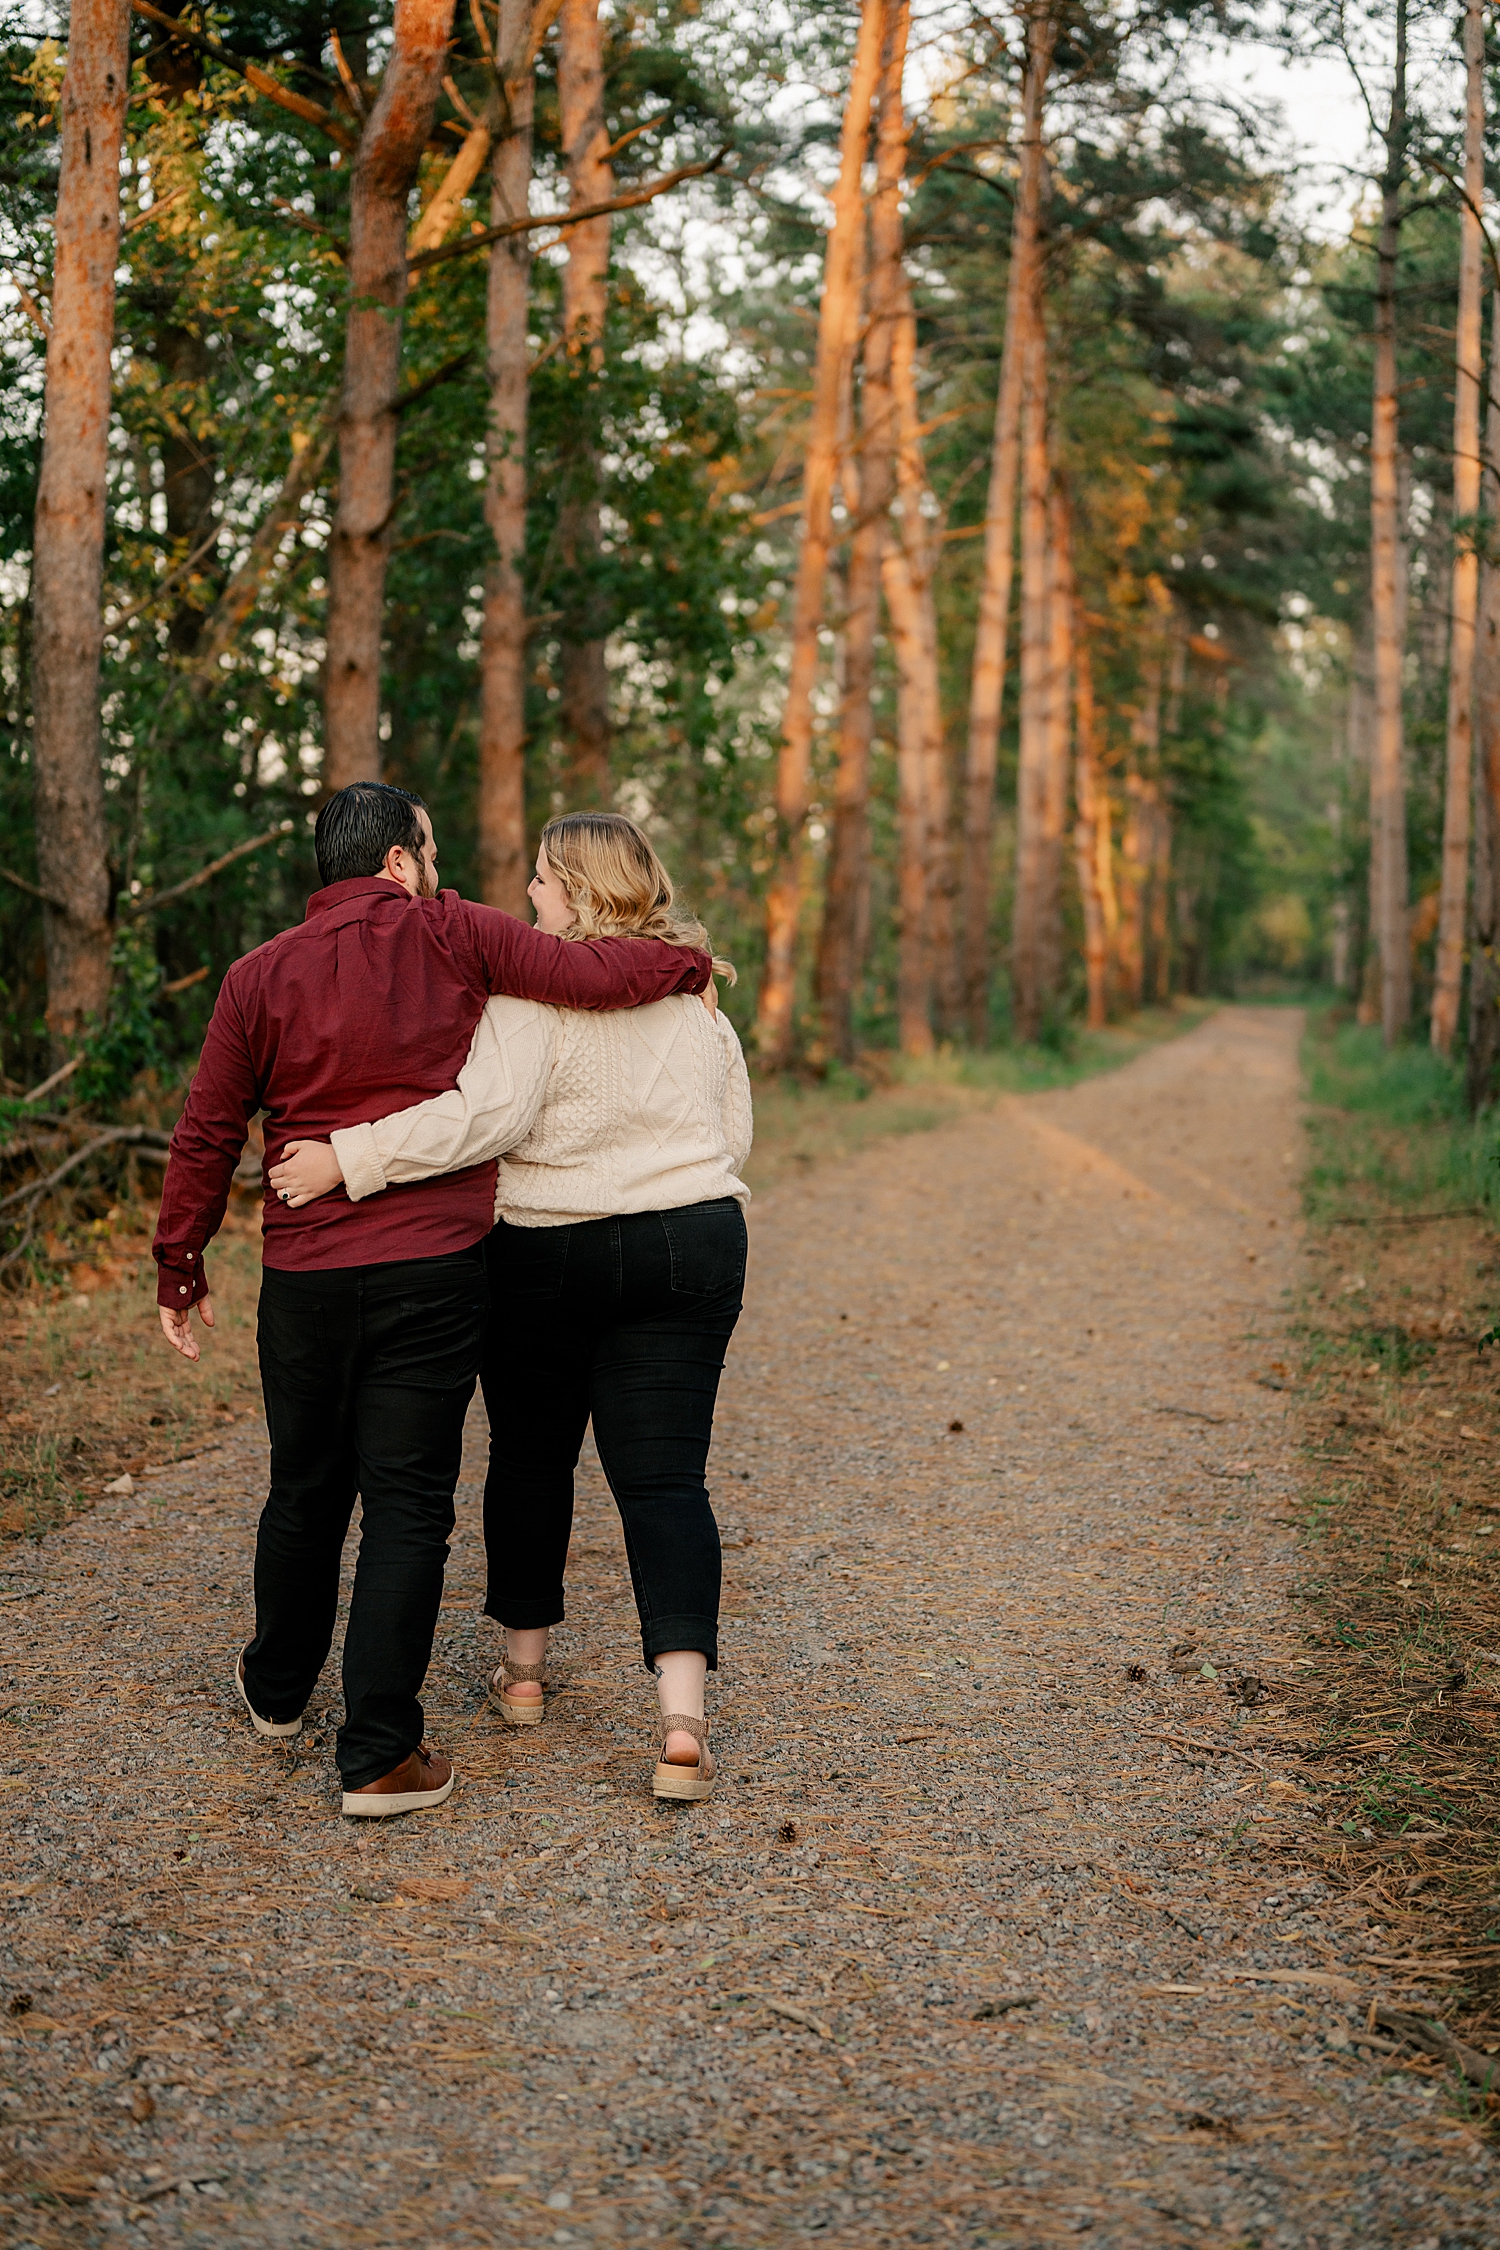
{"points": [[590, 1114]]}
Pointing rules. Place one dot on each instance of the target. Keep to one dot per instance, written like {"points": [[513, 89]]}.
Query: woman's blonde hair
{"points": [[616, 884]]}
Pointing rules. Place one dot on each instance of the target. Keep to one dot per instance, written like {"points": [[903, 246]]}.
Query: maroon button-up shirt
{"points": [[367, 1007]]}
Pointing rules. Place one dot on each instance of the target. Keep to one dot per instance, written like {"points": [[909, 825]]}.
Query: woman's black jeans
{"points": [[626, 1319]]}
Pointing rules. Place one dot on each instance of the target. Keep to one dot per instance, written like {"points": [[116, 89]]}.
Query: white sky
{"points": [[1325, 129]]}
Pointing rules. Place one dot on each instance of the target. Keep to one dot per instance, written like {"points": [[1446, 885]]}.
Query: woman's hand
{"points": [[307, 1170]]}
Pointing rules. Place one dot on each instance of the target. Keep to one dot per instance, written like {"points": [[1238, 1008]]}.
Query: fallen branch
{"points": [[1188, 1742], [56, 1079], [142, 1136], [149, 905], [1435, 2039], [647, 192], [803, 2016]]}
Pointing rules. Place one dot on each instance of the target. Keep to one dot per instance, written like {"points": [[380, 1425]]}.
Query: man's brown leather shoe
{"points": [[418, 1783]]}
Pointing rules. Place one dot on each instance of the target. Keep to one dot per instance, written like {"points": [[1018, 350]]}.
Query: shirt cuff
{"points": [[181, 1283], [359, 1161]]}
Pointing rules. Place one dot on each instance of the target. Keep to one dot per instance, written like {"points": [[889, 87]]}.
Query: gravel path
{"points": [[963, 1950]]}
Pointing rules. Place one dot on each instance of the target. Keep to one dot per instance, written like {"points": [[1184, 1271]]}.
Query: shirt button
{"points": [[182, 1289]]}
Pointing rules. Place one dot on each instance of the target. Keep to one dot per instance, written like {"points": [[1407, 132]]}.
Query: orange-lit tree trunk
{"points": [[1387, 777], [1028, 944], [987, 680], [503, 872], [1090, 826], [1161, 897], [835, 338], [1483, 1059], [1131, 942], [839, 949], [1453, 904], [1059, 736], [385, 168], [584, 705], [924, 860], [68, 541]]}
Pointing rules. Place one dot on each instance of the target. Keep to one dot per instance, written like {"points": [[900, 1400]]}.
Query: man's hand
{"points": [[307, 1170], [176, 1327]]}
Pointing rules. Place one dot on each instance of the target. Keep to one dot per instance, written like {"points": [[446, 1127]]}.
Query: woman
{"points": [[616, 1271]]}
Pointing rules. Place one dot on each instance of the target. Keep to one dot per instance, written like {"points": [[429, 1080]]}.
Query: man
{"points": [[371, 1314]]}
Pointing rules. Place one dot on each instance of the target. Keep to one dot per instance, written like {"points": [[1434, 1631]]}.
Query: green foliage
{"points": [[1390, 1128]]}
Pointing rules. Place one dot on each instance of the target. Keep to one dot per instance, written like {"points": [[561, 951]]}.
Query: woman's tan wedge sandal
{"points": [[518, 1711], [688, 1784]]}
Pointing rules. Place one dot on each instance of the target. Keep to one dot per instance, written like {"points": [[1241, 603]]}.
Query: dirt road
{"points": [[968, 1947]]}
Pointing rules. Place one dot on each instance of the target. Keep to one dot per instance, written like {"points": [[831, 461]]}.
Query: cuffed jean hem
{"points": [[669, 1636], [525, 1617]]}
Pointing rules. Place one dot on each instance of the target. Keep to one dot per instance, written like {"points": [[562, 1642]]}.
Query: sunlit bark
{"points": [[1387, 777], [1029, 953], [584, 706], [1468, 355], [1483, 1059], [503, 872], [68, 541], [385, 169], [794, 766], [869, 491]]}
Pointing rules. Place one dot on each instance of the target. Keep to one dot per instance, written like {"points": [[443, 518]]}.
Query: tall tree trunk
{"points": [[1359, 718], [1131, 942], [68, 541], [1161, 897], [987, 680], [1453, 904], [189, 480], [1028, 943], [1059, 729], [794, 766], [503, 872], [846, 883], [1483, 1060], [924, 873], [1090, 826], [584, 704], [385, 168], [1387, 778]]}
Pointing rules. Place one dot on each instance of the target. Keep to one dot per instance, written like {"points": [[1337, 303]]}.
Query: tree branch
{"points": [[444, 374], [647, 192], [116, 1133], [259, 80], [155, 210], [32, 890], [135, 906], [238, 598]]}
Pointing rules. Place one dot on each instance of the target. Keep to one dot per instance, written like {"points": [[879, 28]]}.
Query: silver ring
{"points": [[285, 1194]]}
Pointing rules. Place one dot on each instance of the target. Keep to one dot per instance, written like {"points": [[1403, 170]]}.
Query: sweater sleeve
{"points": [[493, 1106], [738, 1113]]}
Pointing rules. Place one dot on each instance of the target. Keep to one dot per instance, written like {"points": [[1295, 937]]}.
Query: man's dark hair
{"points": [[360, 824]]}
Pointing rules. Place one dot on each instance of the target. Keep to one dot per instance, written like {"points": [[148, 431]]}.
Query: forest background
{"points": [[593, 571]]}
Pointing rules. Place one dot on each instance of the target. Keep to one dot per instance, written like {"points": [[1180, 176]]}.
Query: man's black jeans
{"points": [[368, 1372], [626, 1319]]}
